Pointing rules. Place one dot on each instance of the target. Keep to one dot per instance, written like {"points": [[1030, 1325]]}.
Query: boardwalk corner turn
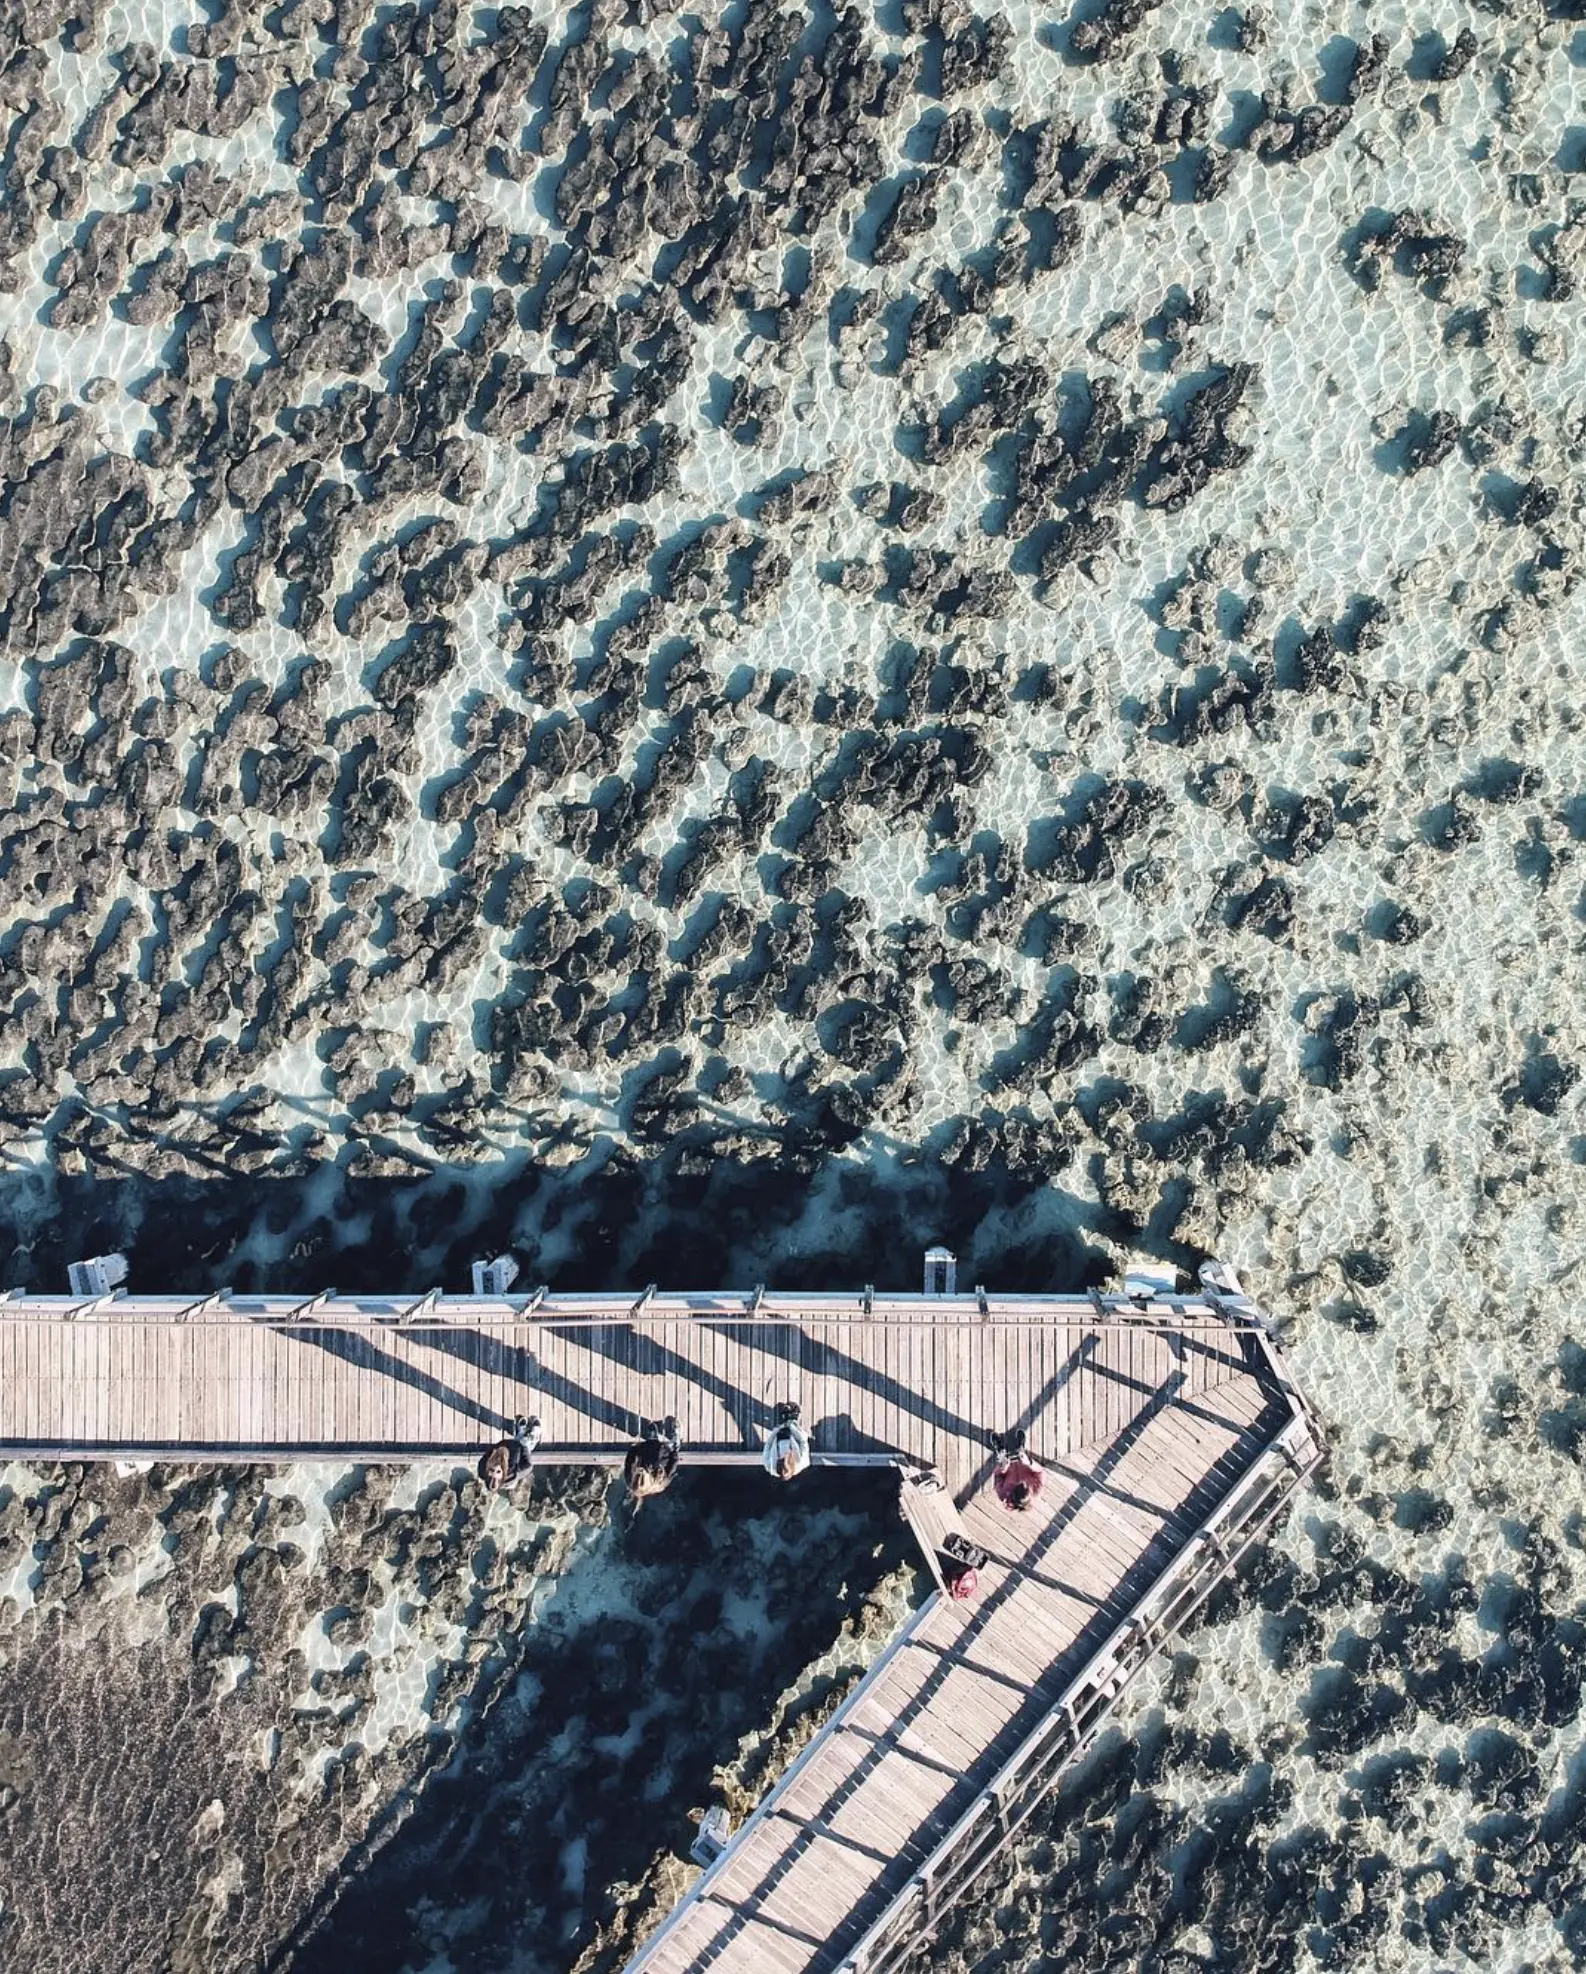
{"points": [[929, 1768]]}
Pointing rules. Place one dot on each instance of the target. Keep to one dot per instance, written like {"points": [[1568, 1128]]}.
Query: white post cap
{"points": [[495, 1277]]}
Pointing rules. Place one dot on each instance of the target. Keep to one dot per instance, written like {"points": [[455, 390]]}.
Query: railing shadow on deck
{"points": [[752, 1414], [633, 1350], [356, 1347]]}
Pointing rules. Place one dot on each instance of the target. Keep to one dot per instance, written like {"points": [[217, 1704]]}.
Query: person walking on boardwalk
{"points": [[1017, 1481], [787, 1451], [501, 1464], [652, 1460], [961, 1562]]}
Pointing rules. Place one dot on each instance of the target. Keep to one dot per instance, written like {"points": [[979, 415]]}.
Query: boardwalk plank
{"points": [[220, 1395], [821, 1885], [112, 1365], [264, 1364], [80, 1401], [151, 1395], [255, 1369], [29, 1389], [54, 1392], [76, 1345]]}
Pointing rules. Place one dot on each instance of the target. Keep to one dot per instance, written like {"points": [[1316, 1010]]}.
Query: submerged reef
{"points": [[706, 646], [229, 1695], [1421, 1807], [690, 590]]}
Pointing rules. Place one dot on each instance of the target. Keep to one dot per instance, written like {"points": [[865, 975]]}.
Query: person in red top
{"points": [[1017, 1480]]}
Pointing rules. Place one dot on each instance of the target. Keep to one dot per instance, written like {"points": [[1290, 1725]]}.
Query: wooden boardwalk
{"points": [[287, 1377], [1169, 1431], [928, 1769]]}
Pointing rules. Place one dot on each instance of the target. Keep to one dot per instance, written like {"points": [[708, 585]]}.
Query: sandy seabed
{"points": [[707, 646]]}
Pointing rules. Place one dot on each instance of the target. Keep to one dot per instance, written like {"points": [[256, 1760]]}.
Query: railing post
{"points": [[420, 1308], [204, 1305]]}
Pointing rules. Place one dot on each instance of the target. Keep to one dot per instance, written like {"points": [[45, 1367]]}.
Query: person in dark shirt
{"points": [[501, 1464], [652, 1460]]}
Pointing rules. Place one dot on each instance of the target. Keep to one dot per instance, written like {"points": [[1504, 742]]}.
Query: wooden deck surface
{"points": [[921, 1377], [1152, 1418], [876, 1796]]}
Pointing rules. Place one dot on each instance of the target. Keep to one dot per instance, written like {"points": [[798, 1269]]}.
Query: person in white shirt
{"points": [[787, 1451]]}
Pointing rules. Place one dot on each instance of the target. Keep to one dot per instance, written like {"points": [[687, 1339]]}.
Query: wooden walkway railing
{"points": [[1167, 1427], [922, 1777], [1062, 1736]]}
